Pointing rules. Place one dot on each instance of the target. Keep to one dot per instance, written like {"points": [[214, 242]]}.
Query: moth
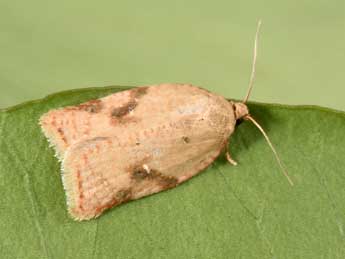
{"points": [[140, 141]]}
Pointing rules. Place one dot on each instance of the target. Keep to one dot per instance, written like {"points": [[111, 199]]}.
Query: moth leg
{"points": [[228, 156]]}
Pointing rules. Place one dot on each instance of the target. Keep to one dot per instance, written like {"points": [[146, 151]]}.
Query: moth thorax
{"points": [[240, 110]]}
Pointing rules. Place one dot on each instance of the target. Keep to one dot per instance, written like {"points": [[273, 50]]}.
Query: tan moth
{"points": [[141, 141]]}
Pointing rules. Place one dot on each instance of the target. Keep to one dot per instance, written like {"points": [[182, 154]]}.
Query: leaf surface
{"points": [[247, 211]]}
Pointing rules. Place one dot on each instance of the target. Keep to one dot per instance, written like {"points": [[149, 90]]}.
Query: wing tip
{"points": [[73, 192], [51, 133]]}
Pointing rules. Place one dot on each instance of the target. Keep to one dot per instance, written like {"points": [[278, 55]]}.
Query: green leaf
{"points": [[247, 211]]}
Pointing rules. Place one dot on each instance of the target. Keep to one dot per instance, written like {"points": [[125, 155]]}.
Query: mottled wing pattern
{"points": [[172, 133], [71, 124]]}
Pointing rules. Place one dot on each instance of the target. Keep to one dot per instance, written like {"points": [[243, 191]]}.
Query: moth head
{"points": [[240, 110]]}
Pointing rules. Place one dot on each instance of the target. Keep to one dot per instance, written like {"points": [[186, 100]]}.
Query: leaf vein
{"points": [[27, 188], [258, 220]]}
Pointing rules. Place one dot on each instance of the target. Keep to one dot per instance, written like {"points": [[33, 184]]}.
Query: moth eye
{"points": [[238, 122]]}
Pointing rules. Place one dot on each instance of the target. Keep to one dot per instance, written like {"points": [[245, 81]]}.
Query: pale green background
{"points": [[49, 46]]}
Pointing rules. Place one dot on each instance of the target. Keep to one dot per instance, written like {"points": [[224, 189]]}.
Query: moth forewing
{"points": [[137, 150]]}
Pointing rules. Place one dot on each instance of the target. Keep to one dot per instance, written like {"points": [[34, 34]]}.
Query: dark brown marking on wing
{"points": [[122, 111], [140, 174], [119, 114], [164, 181], [186, 139], [93, 106]]}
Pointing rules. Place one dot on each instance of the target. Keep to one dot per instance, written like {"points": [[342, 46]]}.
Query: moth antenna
{"points": [[252, 76], [248, 117]]}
